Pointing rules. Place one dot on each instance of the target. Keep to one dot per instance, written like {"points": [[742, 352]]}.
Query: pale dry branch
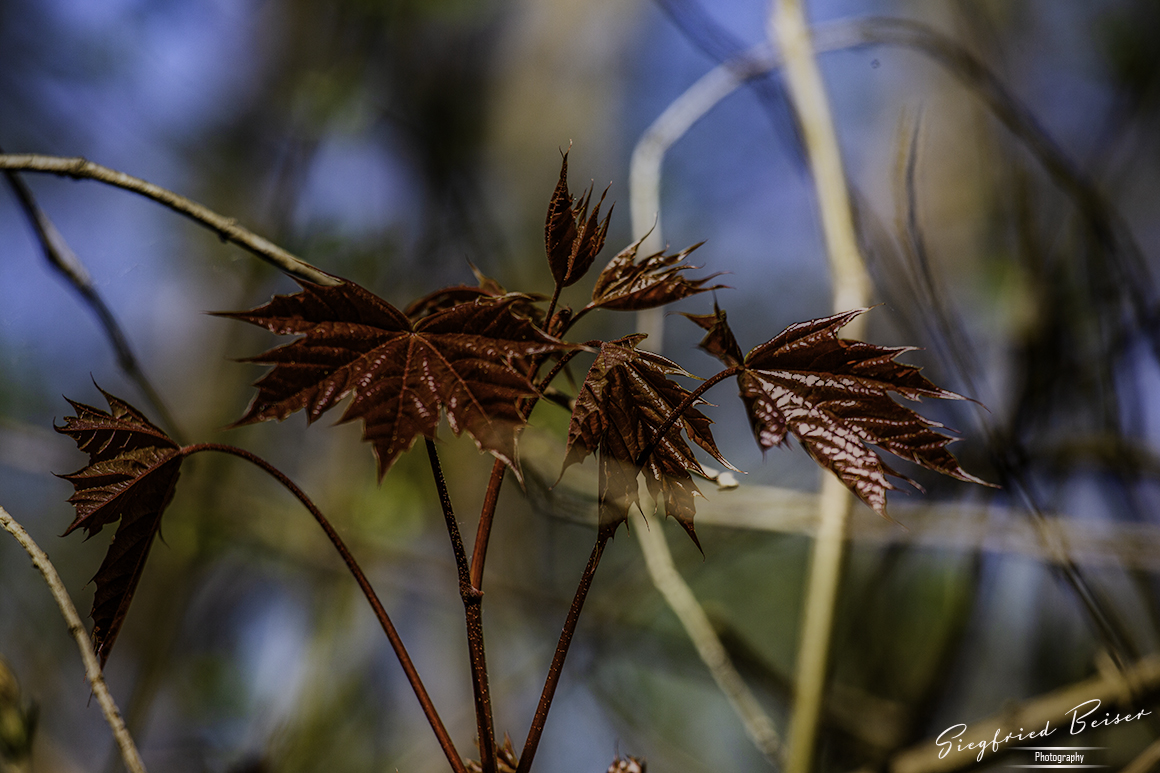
{"points": [[851, 289], [936, 525], [679, 596], [92, 668], [226, 228]]}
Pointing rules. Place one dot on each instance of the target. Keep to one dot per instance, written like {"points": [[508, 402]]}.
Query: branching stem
{"points": [[486, 516], [473, 614], [392, 635], [491, 498]]}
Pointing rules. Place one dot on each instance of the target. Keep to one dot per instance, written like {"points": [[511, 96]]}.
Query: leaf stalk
{"points": [[557, 667], [384, 619], [473, 615]]}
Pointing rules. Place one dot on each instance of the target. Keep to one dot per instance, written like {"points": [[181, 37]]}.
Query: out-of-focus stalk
{"points": [[851, 289]]}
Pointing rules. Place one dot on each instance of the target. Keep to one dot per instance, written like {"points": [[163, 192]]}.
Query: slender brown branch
{"points": [[227, 228], [555, 371], [491, 498], [552, 307], [473, 614], [486, 516], [675, 414], [557, 667], [92, 667], [62, 258], [384, 619]]}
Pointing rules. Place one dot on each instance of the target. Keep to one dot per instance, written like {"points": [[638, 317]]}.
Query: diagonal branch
{"points": [[62, 258], [557, 667], [679, 596], [227, 228], [92, 668]]}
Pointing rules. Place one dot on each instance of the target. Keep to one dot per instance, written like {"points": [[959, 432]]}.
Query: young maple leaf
{"points": [[832, 395], [447, 297], [131, 475], [626, 397], [657, 280], [468, 360], [572, 235]]}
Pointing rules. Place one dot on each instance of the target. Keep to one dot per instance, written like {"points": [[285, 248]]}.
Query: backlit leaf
{"points": [[719, 341], [626, 397], [445, 298], [131, 475], [468, 360], [572, 235], [657, 280], [832, 394]]}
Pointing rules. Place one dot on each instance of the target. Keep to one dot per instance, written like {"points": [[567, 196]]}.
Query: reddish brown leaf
{"points": [[131, 475], [657, 280], [719, 341], [832, 394], [443, 299], [624, 400], [469, 360], [448, 297], [572, 235]]}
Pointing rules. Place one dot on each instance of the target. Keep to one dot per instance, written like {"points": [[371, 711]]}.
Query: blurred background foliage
{"points": [[392, 141]]}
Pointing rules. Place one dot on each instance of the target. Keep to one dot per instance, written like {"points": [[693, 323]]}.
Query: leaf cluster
{"points": [[473, 355]]}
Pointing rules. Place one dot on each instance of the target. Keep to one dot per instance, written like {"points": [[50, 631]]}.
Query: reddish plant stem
{"points": [[491, 498], [675, 415], [473, 615], [555, 371], [384, 619], [552, 307], [486, 516], [557, 667]]}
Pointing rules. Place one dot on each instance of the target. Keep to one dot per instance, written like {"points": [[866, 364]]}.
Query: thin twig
{"points": [[473, 615], [677, 413], [62, 258], [491, 497], [644, 173], [557, 666], [364, 584], [486, 518], [226, 228], [679, 596], [96, 679]]}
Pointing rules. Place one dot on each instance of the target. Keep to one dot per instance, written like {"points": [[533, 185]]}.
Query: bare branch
{"points": [[62, 258], [227, 228], [679, 596], [92, 668]]}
